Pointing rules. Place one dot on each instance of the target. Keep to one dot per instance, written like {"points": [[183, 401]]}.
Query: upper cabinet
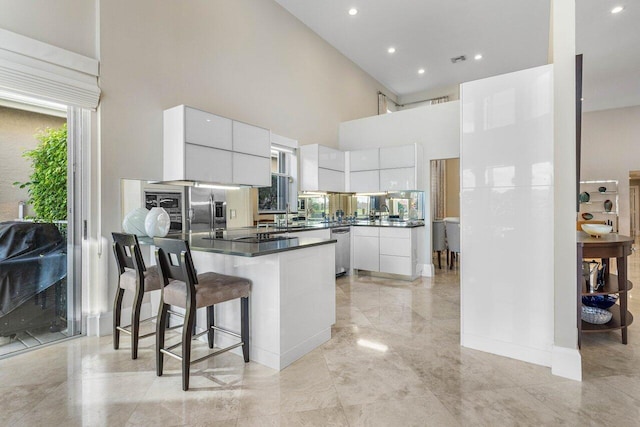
{"points": [[364, 160], [403, 156], [251, 139], [200, 146], [202, 128], [401, 168], [321, 168]]}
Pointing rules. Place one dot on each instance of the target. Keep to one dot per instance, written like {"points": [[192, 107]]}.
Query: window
{"points": [[274, 199]]}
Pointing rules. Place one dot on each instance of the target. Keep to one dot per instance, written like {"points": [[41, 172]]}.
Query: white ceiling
{"points": [[510, 34]]}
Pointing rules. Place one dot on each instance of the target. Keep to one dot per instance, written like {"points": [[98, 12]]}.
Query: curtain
{"points": [[438, 188], [382, 103], [440, 100]]}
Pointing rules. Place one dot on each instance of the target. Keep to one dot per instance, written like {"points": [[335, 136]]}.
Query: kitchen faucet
{"points": [[384, 208]]}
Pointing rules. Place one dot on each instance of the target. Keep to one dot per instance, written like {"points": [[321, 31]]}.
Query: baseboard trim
{"points": [[428, 270], [566, 363], [273, 360], [101, 324], [514, 351]]}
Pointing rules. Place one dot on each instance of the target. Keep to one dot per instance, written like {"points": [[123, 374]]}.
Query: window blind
{"points": [[36, 69]]}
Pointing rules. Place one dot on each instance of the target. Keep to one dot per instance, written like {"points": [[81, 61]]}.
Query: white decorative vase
{"points": [[133, 222], [157, 222]]}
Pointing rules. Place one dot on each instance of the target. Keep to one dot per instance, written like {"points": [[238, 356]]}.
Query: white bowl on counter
{"points": [[596, 230]]}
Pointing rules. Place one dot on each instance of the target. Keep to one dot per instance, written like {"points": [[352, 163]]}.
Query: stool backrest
{"points": [[127, 252], [173, 257]]}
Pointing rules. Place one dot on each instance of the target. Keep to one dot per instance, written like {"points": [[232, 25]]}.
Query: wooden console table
{"points": [[605, 248]]}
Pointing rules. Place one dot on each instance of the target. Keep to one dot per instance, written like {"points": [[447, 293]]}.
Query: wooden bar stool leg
{"points": [[187, 329], [244, 333], [135, 321], [211, 321], [117, 312], [161, 325]]}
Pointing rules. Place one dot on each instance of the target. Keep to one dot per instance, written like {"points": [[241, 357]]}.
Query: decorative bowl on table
{"points": [[596, 230], [597, 316], [599, 301], [587, 216]]}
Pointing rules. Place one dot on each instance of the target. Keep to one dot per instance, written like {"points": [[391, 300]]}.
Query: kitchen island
{"points": [[292, 302]]}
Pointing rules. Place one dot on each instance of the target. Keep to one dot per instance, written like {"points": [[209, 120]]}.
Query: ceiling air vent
{"points": [[458, 59]]}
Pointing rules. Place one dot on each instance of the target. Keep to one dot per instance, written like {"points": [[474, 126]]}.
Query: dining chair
{"points": [[438, 239], [453, 241]]}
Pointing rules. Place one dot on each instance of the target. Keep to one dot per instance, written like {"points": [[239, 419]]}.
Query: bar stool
{"points": [[191, 291], [134, 276]]}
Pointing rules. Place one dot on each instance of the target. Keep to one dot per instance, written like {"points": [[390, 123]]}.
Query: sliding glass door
{"points": [[40, 224]]}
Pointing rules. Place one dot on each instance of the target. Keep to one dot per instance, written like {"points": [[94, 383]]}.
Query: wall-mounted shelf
{"points": [[595, 205]]}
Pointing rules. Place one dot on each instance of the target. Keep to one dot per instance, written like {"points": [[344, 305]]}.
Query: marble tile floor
{"points": [[394, 360]]}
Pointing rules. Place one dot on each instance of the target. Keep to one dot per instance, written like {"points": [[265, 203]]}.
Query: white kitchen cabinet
{"points": [[207, 164], [403, 156], [200, 146], [364, 160], [249, 139], [251, 170], [330, 158], [386, 250], [366, 244], [207, 129], [400, 179], [399, 251], [401, 168], [364, 181], [321, 168]]}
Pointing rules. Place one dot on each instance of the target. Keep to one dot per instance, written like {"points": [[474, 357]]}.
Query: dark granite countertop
{"points": [[244, 242], [335, 224]]}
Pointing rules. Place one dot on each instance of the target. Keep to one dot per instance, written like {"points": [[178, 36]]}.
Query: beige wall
{"points": [[17, 135], [245, 59], [610, 149], [452, 203], [69, 24]]}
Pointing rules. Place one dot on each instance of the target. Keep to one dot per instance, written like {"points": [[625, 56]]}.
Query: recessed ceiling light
{"points": [[391, 49], [617, 9], [353, 11], [421, 71], [478, 57]]}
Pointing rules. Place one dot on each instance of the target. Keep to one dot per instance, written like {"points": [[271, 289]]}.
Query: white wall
{"points": [[610, 149], [506, 281], [435, 127]]}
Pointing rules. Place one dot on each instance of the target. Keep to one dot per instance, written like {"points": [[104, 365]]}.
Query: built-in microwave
{"points": [[170, 202]]}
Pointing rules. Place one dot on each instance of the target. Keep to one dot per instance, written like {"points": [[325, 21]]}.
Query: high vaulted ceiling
{"points": [[509, 34]]}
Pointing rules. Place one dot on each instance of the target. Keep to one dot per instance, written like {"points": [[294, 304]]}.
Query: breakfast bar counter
{"points": [[292, 302]]}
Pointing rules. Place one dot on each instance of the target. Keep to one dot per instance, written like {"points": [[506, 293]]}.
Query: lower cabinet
{"points": [[398, 251], [366, 244], [386, 250]]}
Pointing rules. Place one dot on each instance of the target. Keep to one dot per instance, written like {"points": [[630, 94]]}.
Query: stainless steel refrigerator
{"points": [[206, 209]]}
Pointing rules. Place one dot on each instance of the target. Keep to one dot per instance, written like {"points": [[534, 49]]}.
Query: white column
{"points": [[566, 356]]}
